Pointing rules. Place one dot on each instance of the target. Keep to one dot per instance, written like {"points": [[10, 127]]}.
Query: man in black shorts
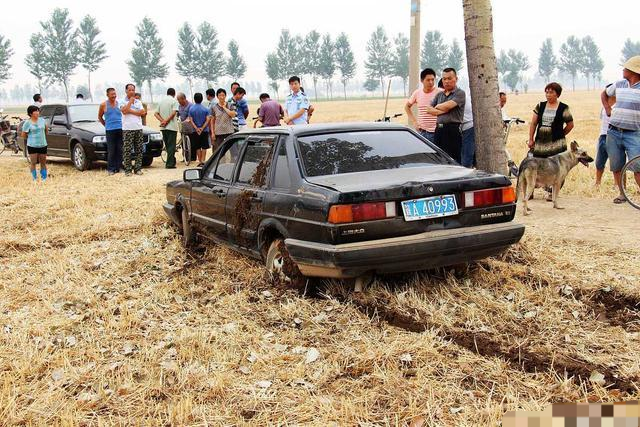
{"points": [[199, 116], [448, 107]]}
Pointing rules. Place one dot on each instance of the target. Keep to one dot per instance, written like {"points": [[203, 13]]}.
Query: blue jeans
{"points": [[620, 146], [601, 153], [468, 154], [114, 150], [431, 136]]}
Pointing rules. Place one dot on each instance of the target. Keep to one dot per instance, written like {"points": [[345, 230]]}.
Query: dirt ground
{"points": [[107, 320]]}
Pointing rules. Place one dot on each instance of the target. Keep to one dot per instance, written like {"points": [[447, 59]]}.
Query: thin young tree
{"points": [[514, 63], [629, 49], [92, 51], [572, 58], [60, 48], [483, 80], [36, 60], [274, 72], [378, 63], [434, 51], [210, 58], [455, 58], [371, 84], [345, 60], [547, 61], [236, 68], [327, 62], [592, 63], [400, 60], [147, 63], [187, 57], [5, 54], [311, 58], [286, 52]]}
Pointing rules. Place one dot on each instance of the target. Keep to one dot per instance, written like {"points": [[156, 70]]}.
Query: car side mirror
{"points": [[192, 175], [60, 123]]}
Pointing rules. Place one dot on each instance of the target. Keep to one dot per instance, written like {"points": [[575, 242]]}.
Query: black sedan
{"points": [[75, 133], [344, 201]]}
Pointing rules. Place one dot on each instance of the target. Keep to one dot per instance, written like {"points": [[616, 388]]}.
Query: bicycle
{"points": [[631, 187], [183, 144], [514, 170]]}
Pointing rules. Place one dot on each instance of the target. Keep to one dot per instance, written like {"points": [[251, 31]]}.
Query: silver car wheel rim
{"points": [[78, 156]]}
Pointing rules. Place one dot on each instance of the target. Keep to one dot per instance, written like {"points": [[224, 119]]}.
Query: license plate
{"points": [[429, 207]]}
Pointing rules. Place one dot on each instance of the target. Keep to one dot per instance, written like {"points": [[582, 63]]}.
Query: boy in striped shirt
{"points": [[426, 123]]}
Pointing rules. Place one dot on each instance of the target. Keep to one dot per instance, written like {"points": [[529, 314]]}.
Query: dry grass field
{"points": [[106, 320]]}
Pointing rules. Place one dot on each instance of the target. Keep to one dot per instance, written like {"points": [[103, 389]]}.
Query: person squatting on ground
{"points": [[132, 113], [199, 117], [448, 106], [222, 115], [623, 135], [34, 130], [167, 116], [425, 124], [296, 105], [110, 116]]}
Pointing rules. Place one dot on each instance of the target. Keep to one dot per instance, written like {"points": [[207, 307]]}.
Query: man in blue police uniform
{"points": [[296, 105]]}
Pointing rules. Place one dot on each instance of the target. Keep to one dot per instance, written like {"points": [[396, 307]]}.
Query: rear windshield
{"points": [[346, 152]]}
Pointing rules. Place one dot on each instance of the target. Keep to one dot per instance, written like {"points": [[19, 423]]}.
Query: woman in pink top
{"points": [[425, 123]]}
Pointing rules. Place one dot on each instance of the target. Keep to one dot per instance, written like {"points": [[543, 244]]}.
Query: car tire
{"points": [[147, 161], [279, 263], [188, 236], [79, 157]]}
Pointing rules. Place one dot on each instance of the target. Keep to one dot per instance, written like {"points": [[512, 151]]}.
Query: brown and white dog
{"points": [[536, 172]]}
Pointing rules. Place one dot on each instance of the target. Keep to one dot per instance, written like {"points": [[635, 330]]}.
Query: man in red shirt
{"points": [[426, 122]]}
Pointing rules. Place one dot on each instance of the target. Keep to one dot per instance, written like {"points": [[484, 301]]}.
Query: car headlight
{"points": [[155, 137], [99, 138]]}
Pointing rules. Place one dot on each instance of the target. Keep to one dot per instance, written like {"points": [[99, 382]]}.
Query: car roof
{"points": [[318, 128]]}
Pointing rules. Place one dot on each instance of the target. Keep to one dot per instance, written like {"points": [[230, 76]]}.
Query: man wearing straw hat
{"points": [[623, 135]]}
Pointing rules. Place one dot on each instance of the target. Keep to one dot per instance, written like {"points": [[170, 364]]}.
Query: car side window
{"points": [[282, 178], [46, 113], [60, 115], [221, 169], [255, 163]]}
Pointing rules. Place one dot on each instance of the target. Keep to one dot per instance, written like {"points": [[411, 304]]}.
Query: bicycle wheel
{"points": [[186, 150], [631, 181], [163, 153]]}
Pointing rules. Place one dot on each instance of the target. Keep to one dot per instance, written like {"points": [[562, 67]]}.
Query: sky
{"points": [[256, 26]]}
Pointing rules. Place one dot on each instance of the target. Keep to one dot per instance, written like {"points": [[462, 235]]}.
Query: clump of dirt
{"points": [[617, 309], [244, 217], [290, 269]]}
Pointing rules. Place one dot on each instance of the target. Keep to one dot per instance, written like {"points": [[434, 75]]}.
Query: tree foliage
{"points": [[511, 65], [327, 61], [400, 59], [91, 50], [378, 63], [455, 58], [345, 60], [435, 51], [236, 67], [629, 49], [592, 64], [146, 63], [210, 58], [5, 54], [61, 48], [187, 56], [572, 58], [547, 61], [36, 60]]}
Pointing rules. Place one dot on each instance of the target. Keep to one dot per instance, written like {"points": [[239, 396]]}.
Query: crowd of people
{"points": [[444, 116]]}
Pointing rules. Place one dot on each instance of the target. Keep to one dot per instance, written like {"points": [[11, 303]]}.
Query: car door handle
{"points": [[256, 198], [218, 192]]}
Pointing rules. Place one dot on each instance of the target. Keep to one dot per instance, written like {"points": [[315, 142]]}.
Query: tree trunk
{"points": [[190, 87], [150, 91], [66, 90], [344, 84], [573, 82], [315, 90], [89, 83], [404, 87], [483, 81], [382, 86]]}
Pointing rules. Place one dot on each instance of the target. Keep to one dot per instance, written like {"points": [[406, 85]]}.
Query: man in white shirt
{"points": [[132, 112], [468, 154]]}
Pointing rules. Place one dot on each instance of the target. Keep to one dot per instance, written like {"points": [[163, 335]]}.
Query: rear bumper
{"points": [[401, 254]]}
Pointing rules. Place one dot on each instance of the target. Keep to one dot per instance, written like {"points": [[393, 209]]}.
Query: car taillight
{"points": [[494, 196], [341, 214]]}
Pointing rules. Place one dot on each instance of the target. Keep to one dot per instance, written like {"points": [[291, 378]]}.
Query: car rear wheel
{"points": [[188, 237], [147, 161], [280, 264], [79, 157]]}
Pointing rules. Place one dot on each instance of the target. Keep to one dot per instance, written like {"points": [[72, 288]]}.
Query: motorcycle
{"points": [[9, 133]]}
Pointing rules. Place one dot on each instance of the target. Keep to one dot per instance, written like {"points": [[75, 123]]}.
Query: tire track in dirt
{"points": [[482, 343]]}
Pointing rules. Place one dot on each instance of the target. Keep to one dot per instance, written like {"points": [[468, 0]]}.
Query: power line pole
{"points": [[414, 48]]}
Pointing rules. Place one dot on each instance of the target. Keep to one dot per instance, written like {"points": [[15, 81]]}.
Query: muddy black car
{"points": [[75, 133], [344, 201]]}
